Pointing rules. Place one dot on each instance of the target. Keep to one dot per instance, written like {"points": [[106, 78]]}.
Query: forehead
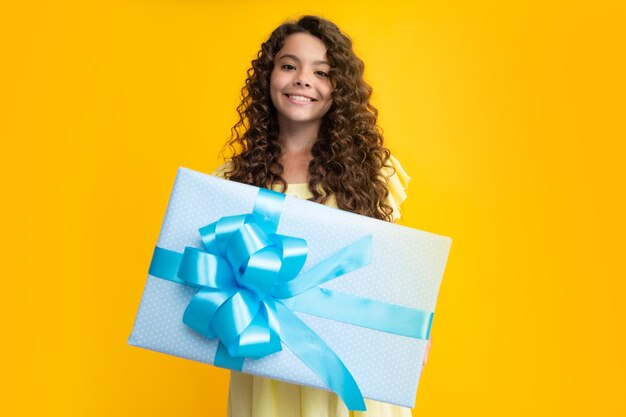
{"points": [[303, 46]]}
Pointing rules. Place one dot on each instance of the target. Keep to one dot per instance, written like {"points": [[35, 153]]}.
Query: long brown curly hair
{"points": [[348, 155]]}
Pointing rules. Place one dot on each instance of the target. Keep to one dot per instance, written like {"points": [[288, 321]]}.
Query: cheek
{"points": [[274, 80], [327, 106], [274, 87], [328, 93], [272, 84]]}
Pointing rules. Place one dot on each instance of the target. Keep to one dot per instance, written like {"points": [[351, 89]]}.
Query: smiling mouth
{"points": [[299, 99]]}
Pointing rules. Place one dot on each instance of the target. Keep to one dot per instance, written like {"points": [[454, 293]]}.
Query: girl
{"points": [[306, 128]]}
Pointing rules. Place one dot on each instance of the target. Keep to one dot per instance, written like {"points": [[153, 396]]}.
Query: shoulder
{"points": [[222, 169], [397, 182]]}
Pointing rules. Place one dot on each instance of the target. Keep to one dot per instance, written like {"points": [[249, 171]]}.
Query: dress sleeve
{"points": [[222, 169], [397, 182]]}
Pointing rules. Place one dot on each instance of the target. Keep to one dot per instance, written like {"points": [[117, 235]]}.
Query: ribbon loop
{"points": [[244, 243], [202, 307], [234, 316], [261, 271], [201, 269]]}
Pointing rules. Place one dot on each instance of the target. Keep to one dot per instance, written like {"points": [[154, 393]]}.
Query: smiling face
{"points": [[299, 86]]}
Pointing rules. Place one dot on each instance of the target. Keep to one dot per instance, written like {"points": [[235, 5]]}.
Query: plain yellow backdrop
{"points": [[509, 116]]}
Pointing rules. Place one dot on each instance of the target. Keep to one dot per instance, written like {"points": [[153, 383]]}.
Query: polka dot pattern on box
{"points": [[406, 269]]}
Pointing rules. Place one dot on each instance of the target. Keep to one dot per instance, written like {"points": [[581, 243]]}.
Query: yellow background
{"points": [[509, 116]]}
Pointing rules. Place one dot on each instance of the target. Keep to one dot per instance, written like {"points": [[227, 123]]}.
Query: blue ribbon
{"points": [[249, 285]]}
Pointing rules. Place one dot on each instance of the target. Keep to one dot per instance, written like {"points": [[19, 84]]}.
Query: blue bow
{"points": [[243, 273]]}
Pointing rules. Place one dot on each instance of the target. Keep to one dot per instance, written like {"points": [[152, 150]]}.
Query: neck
{"points": [[298, 138]]}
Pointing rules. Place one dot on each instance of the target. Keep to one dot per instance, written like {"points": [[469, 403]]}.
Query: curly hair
{"points": [[348, 155]]}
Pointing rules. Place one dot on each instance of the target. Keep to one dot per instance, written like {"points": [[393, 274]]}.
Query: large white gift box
{"points": [[324, 298]]}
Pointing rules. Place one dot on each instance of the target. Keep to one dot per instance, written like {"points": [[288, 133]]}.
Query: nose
{"points": [[301, 78]]}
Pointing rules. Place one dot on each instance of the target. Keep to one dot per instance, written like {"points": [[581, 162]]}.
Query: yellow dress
{"points": [[254, 396]]}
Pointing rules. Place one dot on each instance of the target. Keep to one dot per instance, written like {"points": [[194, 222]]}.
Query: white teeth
{"points": [[300, 98]]}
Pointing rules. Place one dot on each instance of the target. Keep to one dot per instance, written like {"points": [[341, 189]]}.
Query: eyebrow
{"points": [[295, 58]]}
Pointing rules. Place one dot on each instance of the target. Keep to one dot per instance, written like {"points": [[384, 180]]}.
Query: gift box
{"points": [[272, 285]]}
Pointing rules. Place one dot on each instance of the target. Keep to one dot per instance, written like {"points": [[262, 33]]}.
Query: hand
{"points": [[430, 341]]}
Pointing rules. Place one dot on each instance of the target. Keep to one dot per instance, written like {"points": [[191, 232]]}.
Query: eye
{"points": [[288, 67], [321, 73]]}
